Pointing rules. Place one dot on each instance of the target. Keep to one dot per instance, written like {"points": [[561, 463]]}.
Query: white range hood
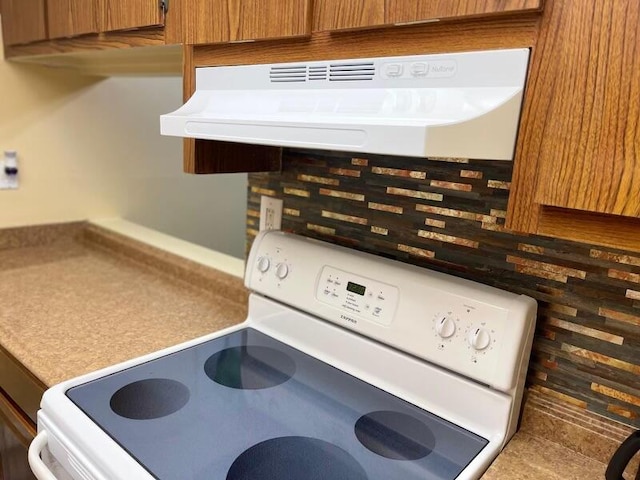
{"points": [[452, 105]]}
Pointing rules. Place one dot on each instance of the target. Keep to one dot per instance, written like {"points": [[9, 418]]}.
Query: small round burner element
{"points": [[149, 399], [395, 435], [249, 367], [296, 458]]}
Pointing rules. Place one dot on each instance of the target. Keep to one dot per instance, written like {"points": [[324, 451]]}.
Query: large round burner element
{"points": [[395, 435], [295, 458], [150, 398], [249, 367]]}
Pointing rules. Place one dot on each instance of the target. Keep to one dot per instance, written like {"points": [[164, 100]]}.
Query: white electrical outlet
{"points": [[270, 213]]}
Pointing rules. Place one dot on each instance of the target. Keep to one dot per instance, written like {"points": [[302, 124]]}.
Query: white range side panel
{"points": [[399, 305], [449, 105]]}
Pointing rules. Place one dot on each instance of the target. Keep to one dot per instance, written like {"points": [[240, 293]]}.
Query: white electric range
{"points": [[349, 367]]}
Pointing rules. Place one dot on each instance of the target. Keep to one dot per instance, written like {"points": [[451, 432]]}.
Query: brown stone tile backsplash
{"points": [[448, 215]]}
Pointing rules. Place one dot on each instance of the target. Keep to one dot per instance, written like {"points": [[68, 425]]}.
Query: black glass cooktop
{"points": [[246, 407]]}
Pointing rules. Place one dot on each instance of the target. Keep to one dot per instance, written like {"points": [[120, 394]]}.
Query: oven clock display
{"points": [[350, 293], [355, 288]]}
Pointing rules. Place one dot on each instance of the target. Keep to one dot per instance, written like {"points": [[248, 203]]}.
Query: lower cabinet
{"points": [[16, 433]]}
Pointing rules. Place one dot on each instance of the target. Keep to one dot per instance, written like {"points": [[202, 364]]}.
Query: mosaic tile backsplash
{"points": [[448, 215]]}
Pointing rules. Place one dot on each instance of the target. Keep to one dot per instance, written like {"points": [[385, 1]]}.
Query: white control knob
{"points": [[445, 327], [479, 338], [263, 264], [282, 270]]}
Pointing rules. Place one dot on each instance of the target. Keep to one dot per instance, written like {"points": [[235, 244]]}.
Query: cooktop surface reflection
{"points": [[245, 406]]}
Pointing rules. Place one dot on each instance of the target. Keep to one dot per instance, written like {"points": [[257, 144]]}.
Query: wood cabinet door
{"points": [[408, 11], [346, 14], [213, 21], [590, 144], [577, 168], [343, 15], [129, 14], [23, 21], [16, 433], [67, 18]]}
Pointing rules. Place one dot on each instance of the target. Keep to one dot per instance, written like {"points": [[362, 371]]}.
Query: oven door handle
{"points": [[40, 470]]}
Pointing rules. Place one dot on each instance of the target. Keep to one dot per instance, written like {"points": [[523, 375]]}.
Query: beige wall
{"points": [[90, 148]]}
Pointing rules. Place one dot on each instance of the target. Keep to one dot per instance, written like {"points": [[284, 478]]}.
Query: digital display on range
{"points": [[355, 288]]}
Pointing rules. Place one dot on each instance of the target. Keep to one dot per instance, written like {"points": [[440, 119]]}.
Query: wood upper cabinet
{"points": [[23, 21], [341, 14], [129, 14], [349, 14], [214, 21], [577, 170], [67, 18]]}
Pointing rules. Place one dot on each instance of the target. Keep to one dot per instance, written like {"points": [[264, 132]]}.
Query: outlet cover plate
{"points": [[270, 213]]}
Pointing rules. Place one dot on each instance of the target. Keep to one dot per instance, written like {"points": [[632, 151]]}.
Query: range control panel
{"points": [[357, 295], [478, 331]]}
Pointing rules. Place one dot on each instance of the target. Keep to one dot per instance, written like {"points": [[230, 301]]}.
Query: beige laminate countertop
{"points": [[527, 457], [89, 299], [84, 298], [559, 441]]}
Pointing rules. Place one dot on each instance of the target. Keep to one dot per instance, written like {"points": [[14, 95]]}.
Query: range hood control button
{"points": [[419, 69], [394, 69]]}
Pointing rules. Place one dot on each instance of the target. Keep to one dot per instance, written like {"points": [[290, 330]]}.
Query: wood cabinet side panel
{"points": [[590, 139], [523, 212], [66, 18], [214, 21], [402, 11], [174, 21], [23, 21], [128, 14], [188, 87]]}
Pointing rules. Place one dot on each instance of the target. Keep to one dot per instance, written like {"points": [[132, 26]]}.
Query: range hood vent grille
{"points": [[318, 72], [346, 72], [335, 72], [285, 74]]}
